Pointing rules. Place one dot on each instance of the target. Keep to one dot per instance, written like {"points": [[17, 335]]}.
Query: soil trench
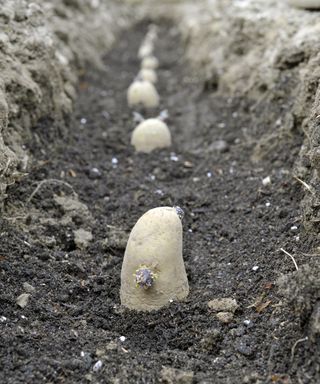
{"points": [[234, 227]]}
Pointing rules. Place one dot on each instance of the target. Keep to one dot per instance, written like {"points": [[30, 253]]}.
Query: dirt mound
{"points": [[43, 46]]}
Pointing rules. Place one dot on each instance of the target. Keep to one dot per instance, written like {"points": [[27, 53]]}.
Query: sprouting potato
{"points": [[150, 62], [147, 45], [148, 75], [143, 93], [145, 50], [153, 272], [151, 134]]}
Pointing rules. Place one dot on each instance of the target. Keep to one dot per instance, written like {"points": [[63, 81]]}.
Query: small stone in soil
{"points": [[137, 117], [224, 317], [100, 352], [112, 346], [87, 359], [218, 146], [266, 181], [28, 287], [211, 341], [226, 304], [97, 366], [187, 164], [82, 238], [164, 115], [94, 173], [23, 299]]}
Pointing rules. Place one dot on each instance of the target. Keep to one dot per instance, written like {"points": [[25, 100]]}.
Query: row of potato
{"points": [[151, 133], [153, 272]]}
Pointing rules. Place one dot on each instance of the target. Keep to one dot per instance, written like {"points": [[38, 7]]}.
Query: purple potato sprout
{"points": [[145, 277]]}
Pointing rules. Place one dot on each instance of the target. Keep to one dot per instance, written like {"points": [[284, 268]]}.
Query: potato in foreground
{"points": [[143, 93], [153, 271], [151, 134]]}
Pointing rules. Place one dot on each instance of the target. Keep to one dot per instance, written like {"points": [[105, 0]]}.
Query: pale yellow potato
{"points": [[144, 93], [148, 75], [150, 62], [145, 50], [155, 243], [151, 134]]}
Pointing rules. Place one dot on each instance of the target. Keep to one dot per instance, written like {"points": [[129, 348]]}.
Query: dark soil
{"points": [[234, 227]]}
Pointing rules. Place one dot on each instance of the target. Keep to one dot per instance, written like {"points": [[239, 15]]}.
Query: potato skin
{"points": [[143, 93], [148, 75], [150, 62], [156, 242], [151, 134]]}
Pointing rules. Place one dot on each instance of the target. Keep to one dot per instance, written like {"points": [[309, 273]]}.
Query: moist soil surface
{"points": [[234, 227]]}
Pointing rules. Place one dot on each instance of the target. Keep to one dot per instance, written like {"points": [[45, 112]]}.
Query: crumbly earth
{"points": [[234, 228]]}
